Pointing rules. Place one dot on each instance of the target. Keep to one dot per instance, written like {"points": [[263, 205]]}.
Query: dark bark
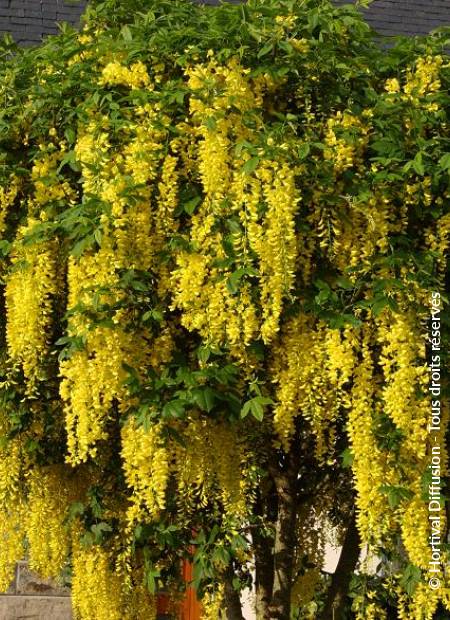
{"points": [[340, 582], [233, 605], [285, 477], [263, 542], [263, 574]]}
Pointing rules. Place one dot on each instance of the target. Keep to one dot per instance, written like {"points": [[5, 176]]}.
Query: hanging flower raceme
{"points": [[11, 503], [31, 286], [146, 468]]}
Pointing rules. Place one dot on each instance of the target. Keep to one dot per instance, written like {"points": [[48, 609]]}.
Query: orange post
{"points": [[191, 609]]}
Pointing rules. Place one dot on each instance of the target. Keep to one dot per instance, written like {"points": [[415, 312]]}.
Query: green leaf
{"points": [[345, 283], [251, 165], [99, 529], [255, 406], [396, 494], [5, 247], [444, 162], [411, 578], [151, 576], [347, 457], [211, 123], [192, 204], [126, 34], [205, 398], [303, 151], [87, 539], [379, 305], [98, 236], [204, 353], [76, 510], [426, 480], [266, 49], [174, 409], [234, 279], [417, 164]]}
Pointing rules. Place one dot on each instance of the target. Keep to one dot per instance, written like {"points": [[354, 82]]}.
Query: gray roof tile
{"points": [[387, 17]]}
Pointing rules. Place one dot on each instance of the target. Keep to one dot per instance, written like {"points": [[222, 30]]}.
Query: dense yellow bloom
{"points": [[342, 151], [415, 532], [369, 466], [213, 198], [135, 76], [146, 468], [47, 186], [213, 466], [392, 85], [404, 378], [12, 542], [92, 378], [310, 367], [11, 505], [31, 287], [422, 606], [47, 535], [278, 248], [424, 78], [97, 592]]}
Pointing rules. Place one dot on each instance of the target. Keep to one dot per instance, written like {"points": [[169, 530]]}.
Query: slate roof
{"points": [[29, 20], [406, 17]]}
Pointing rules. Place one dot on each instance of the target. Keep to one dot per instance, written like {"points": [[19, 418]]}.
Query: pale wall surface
{"points": [[35, 608]]}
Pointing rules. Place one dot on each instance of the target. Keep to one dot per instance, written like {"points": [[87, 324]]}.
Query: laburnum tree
{"points": [[221, 231]]}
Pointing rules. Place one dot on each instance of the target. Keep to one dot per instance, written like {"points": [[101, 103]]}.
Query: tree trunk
{"points": [[285, 481], [264, 575], [233, 607], [340, 582]]}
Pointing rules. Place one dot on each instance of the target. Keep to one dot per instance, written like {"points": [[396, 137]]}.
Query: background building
{"points": [[30, 20]]}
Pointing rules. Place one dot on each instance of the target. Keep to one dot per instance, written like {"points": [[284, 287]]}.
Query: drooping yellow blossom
{"points": [[30, 289], [97, 592], [47, 535], [146, 467]]}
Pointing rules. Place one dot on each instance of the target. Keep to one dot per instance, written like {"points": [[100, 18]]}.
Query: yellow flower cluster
{"points": [[11, 505], [415, 531], [47, 186], [278, 245], [369, 464], [404, 378], [345, 137], [92, 378], [424, 78], [30, 289], [98, 592], [213, 466], [265, 203], [421, 606], [392, 85], [47, 536], [146, 467], [135, 76], [205, 212], [12, 541], [311, 367]]}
